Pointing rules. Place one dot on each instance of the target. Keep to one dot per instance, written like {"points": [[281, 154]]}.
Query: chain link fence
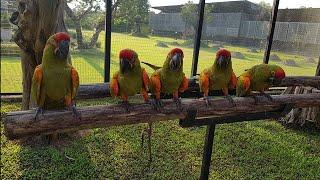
{"points": [[242, 29]]}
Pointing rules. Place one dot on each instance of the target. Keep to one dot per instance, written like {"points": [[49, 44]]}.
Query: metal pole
{"points": [[197, 38], [207, 152], [271, 31], [107, 54]]}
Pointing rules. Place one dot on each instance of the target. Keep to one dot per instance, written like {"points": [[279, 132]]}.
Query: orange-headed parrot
{"points": [[219, 76], [169, 78], [130, 79], [258, 78], [55, 81]]}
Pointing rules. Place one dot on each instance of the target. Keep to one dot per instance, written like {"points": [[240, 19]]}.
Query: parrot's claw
{"points": [[39, 111], [256, 99], [207, 100], [229, 98], [178, 103], [157, 104], [75, 113], [126, 105], [267, 96]]}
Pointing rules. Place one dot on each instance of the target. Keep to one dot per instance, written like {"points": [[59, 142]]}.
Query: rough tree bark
{"points": [[36, 20], [21, 124], [101, 25], [77, 22], [301, 116]]}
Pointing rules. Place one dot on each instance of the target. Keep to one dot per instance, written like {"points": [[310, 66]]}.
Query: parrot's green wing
{"points": [[37, 91]]}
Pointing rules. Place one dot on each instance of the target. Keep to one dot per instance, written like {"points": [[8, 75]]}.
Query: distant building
{"points": [[240, 20], [7, 7]]}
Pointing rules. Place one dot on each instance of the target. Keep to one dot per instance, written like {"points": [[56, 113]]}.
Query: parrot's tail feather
{"points": [[154, 67]]}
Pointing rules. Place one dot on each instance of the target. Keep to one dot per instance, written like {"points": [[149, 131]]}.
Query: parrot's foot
{"points": [[126, 105], [266, 95], [39, 111], [229, 98], [178, 103], [256, 98], [207, 100], [75, 113], [157, 104]]}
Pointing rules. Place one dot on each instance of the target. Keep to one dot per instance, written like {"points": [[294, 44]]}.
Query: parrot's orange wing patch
{"points": [[145, 80], [75, 82], [36, 84], [233, 81], [246, 82], [184, 84], [155, 83], [114, 85], [204, 83]]}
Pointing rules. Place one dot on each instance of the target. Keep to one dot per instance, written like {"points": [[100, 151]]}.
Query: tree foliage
{"points": [[189, 13], [90, 14]]}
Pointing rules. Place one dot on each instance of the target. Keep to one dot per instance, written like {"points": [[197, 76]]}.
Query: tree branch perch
{"points": [[22, 124]]}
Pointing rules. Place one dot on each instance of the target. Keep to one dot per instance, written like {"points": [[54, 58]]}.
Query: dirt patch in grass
{"points": [[253, 50], [311, 60], [161, 44], [237, 55], [290, 62], [275, 58]]}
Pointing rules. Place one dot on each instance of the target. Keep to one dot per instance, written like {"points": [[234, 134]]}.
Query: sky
{"points": [[283, 3]]}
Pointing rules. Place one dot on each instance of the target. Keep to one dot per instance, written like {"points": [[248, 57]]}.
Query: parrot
{"points": [[169, 78], [130, 78], [219, 76], [55, 81], [258, 78]]}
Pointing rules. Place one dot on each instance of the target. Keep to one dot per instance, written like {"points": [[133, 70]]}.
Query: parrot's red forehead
{"points": [[61, 36], [126, 54], [176, 50], [223, 52], [280, 74]]}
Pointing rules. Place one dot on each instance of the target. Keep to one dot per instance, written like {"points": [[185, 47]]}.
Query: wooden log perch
{"points": [[22, 124], [102, 90]]}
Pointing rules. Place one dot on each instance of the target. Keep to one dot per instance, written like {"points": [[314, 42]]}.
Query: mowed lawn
{"points": [[253, 150], [90, 63]]}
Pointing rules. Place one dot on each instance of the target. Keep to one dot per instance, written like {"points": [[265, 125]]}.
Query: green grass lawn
{"points": [[90, 63], [254, 150]]}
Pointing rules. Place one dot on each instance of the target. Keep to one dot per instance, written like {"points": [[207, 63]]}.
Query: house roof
{"points": [[218, 7]]}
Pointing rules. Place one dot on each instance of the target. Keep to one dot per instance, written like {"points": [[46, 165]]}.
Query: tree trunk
{"points": [[303, 116], [37, 20], [78, 27], [100, 26]]}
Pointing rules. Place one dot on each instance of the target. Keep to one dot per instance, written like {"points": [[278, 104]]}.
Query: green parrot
{"points": [[219, 76], [130, 79], [55, 82], [166, 79], [169, 78], [258, 78]]}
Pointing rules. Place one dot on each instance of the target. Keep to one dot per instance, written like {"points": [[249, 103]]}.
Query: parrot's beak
{"points": [[223, 62], [63, 49], [125, 65], [176, 62]]}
